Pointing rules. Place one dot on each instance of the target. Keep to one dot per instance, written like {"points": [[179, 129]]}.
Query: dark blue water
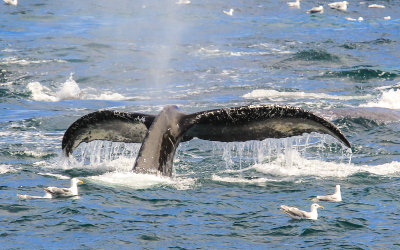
{"points": [[60, 60]]}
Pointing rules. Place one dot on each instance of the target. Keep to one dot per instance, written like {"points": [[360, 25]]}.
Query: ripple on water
{"points": [[359, 74], [315, 55], [346, 224]]}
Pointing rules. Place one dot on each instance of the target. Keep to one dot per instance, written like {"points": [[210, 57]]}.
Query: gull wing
{"points": [[294, 212], [58, 191]]}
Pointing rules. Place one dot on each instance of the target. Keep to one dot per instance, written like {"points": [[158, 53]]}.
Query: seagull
{"points": [[319, 9], [294, 4], [296, 213], [229, 13], [11, 2], [337, 196], [56, 192], [387, 17], [339, 5], [376, 6], [183, 2]]}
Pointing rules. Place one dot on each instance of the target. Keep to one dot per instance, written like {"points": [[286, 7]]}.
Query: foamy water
{"points": [[142, 181], [69, 90], [389, 99], [282, 95]]}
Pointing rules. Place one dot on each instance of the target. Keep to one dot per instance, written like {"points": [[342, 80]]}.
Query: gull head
{"points": [[75, 181], [315, 206]]}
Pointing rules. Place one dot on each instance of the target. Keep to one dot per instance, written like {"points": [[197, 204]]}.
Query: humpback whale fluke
{"points": [[160, 135]]}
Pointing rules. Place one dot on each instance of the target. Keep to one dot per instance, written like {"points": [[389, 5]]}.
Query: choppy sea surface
{"points": [[60, 60]]}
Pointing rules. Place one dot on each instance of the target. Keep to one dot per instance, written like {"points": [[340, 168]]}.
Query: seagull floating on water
{"points": [[294, 4], [296, 213], [183, 2], [56, 192], [11, 2], [319, 9], [387, 18], [353, 19], [229, 13], [339, 5], [376, 6], [337, 196]]}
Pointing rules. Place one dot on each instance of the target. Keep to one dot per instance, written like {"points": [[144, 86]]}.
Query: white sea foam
{"points": [[5, 169], [257, 181], [280, 95], [58, 176], [23, 62], [300, 166], [213, 52], [70, 90], [389, 99], [142, 181]]}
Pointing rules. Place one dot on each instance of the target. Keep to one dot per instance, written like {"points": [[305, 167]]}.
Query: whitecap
{"points": [[230, 179], [142, 181], [24, 62], [389, 99], [279, 95], [5, 169], [58, 176], [296, 165], [70, 90]]}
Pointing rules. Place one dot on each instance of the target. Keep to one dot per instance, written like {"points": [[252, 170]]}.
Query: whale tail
{"points": [[255, 122]]}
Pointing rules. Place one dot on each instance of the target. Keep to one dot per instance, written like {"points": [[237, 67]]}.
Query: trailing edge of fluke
{"points": [[160, 135]]}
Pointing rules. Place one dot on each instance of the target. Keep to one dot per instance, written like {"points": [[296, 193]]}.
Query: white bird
{"points": [[11, 2], [319, 9], [229, 13], [339, 5], [337, 196], [360, 19], [376, 6], [183, 2], [350, 19], [294, 4], [56, 192], [296, 213], [387, 18]]}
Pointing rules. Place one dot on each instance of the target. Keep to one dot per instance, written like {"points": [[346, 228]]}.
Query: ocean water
{"points": [[60, 60]]}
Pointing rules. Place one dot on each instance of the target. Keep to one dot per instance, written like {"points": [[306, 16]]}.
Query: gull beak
{"points": [[321, 207], [80, 181]]}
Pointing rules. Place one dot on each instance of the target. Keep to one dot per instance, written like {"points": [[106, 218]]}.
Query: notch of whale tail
{"points": [[160, 135]]}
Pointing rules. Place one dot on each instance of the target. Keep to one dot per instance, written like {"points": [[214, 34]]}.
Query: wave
{"points": [[362, 74], [6, 169], [24, 62], [214, 52], [295, 165], [68, 91], [314, 55], [362, 115], [278, 95], [142, 181], [388, 99], [367, 44]]}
